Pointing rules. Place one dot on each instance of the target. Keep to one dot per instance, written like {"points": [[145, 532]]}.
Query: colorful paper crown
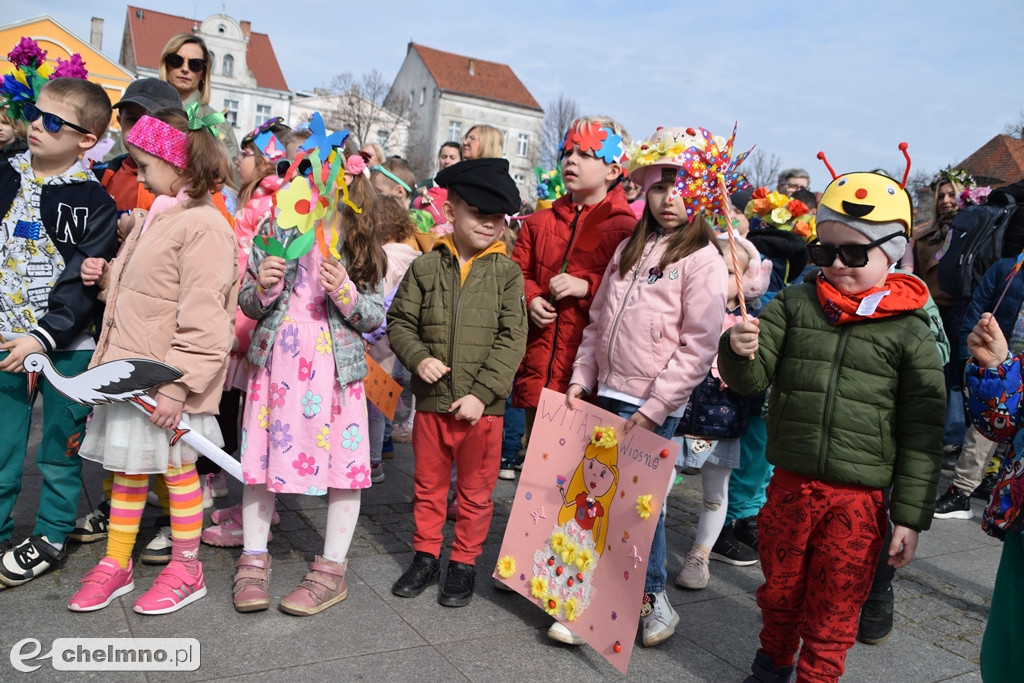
{"points": [[21, 86], [591, 136], [954, 175], [704, 162], [778, 210], [266, 141], [549, 183]]}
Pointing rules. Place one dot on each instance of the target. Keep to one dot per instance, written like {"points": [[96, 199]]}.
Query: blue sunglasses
{"points": [[51, 122]]}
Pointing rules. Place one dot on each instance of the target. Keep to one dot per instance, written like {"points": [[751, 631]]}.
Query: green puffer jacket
{"points": [[860, 403], [477, 329]]}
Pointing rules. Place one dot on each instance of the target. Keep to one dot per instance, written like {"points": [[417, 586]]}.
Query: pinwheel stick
{"points": [[1009, 280], [733, 251]]}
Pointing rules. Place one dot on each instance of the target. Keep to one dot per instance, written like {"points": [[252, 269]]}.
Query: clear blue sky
{"points": [[851, 78]]}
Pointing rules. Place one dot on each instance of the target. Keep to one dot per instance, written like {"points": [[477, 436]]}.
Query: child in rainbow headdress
{"points": [[563, 252], [171, 298], [658, 313], [853, 349], [304, 428], [54, 216]]}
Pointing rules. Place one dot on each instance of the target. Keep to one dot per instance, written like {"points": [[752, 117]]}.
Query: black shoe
{"points": [[423, 572], [984, 490], [728, 549], [746, 531], [950, 454], [953, 505], [876, 617], [520, 459], [27, 560], [92, 527], [458, 585], [765, 671]]}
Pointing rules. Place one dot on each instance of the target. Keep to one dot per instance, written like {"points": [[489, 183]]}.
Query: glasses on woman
{"points": [[851, 255], [195, 65], [51, 122]]}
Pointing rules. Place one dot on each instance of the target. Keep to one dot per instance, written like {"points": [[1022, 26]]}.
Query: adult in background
{"points": [[793, 179], [427, 196], [482, 142]]}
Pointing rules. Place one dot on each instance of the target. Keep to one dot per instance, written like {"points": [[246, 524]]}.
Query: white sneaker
{"points": [[695, 574], [657, 618], [507, 473], [561, 633], [159, 549], [377, 472]]}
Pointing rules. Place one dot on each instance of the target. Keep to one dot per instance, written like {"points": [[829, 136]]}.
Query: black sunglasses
{"points": [[51, 122], [851, 255], [196, 66]]}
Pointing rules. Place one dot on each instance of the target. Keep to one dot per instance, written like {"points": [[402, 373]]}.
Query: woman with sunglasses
{"points": [[185, 63], [857, 406]]}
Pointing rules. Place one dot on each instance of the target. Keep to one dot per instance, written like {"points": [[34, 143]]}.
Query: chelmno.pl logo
{"points": [[109, 654]]}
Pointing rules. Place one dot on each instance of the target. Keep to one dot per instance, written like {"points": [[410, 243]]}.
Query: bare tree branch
{"points": [[761, 168], [557, 118], [358, 106], [1015, 128]]}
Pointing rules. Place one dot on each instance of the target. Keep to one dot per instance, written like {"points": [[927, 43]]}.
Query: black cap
{"points": [[483, 184], [151, 94]]}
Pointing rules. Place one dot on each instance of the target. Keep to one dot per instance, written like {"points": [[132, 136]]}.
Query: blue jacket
{"points": [[984, 298]]}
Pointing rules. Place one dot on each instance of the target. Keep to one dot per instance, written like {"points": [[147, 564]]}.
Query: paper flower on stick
{"points": [[707, 167], [320, 139], [300, 205], [21, 86]]}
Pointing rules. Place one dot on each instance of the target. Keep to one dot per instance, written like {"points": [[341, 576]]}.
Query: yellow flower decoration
{"points": [[538, 587], [262, 417], [604, 437], [571, 605], [559, 541], [643, 505], [585, 559], [551, 604], [323, 439], [781, 214], [297, 207], [323, 343], [506, 566], [569, 554]]}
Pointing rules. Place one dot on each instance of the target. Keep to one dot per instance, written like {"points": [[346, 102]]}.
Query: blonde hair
{"points": [[19, 125], [89, 100], [172, 47], [609, 457], [605, 122], [400, 169], [492, 141]]}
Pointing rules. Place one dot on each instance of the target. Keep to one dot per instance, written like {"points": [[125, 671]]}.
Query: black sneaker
{"points": [[876, 617], [950, 454], [746, 532], [953, 505], [423, 572], [458, 585], [984, 490], [520, 459], [728, 549], [94, 526], [27, 560]]}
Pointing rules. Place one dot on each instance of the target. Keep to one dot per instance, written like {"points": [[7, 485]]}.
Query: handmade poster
{"points": [[584, 515], [382, 391]]}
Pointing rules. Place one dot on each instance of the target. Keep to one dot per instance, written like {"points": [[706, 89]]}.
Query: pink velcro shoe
{"points": [[228, 532], [173, 588], [101, 585], [252, 581], [323, 586]]}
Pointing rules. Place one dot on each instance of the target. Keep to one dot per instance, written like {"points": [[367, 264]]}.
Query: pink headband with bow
{"points": [[160, 139]]}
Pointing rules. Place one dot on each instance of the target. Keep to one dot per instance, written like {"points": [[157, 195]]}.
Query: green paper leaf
{"points": [[300, 245], [272, 247]]}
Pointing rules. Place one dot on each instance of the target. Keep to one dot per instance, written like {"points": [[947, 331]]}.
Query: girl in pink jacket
{"points": [[654, 326]]}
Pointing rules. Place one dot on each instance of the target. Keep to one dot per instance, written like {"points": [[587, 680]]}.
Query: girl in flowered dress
{"points": [[305, 423]]}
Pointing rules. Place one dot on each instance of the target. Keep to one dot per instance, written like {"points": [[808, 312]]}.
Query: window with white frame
{"points": [[522, 144], [228, 66], [455, 130], [213, 62], [382, 138], [423, 96], [262, 113], [231, 112], [504, 142]]}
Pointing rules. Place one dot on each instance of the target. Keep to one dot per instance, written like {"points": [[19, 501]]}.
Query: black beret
{"points": [[484, 184]]}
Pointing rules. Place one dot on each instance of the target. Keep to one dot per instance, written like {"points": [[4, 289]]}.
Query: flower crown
{"points": [[954, 175], [22, 85], [777, 210], [973, 195], [591, 136], [604, 437], [549, 183]]}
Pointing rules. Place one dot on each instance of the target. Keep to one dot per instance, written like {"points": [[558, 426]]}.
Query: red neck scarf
{"points": [[906, 293]]}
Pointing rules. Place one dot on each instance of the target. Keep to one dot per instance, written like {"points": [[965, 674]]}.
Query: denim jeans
{"points": [[512, 437], [657, 573]]}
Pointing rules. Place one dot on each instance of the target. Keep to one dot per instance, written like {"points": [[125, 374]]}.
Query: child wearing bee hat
{"points": [[857, 405]]}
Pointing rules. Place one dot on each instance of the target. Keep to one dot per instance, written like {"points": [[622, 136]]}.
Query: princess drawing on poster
{"points": [[592, 486]]}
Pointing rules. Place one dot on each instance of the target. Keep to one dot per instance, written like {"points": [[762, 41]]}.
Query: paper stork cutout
{"points": [[126, 380]]}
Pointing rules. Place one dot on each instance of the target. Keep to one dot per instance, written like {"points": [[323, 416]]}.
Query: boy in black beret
{"points": [[458, 321]]}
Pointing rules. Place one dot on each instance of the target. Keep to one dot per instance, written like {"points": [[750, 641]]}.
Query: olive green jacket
{"points": [[860, 403]]}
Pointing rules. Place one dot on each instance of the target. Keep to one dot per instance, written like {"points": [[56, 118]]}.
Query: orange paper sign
{"points": [[381, 389]]}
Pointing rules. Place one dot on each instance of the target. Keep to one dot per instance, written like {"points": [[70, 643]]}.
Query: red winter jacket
{"points": [[541, 250]]}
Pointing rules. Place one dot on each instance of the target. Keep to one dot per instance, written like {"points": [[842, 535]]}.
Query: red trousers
{"points": [[819, 546], [437, 441]]}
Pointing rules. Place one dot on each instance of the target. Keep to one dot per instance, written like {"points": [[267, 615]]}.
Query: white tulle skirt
{"points": [[122, 439]]}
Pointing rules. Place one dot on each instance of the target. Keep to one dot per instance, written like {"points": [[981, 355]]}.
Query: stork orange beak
{"points": [[33, 378]]}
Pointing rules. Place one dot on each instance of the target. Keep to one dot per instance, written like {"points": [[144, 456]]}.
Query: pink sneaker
{"points": [[101, 585], [228, 532], [173, 589], [220, 515]]}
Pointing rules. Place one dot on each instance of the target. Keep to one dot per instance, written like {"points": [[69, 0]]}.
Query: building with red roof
{"points": [[451, 93], [247, 83], [998, 162]]}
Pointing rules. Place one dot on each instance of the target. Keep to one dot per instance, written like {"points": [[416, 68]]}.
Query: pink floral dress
{"points": [[302, 431]]}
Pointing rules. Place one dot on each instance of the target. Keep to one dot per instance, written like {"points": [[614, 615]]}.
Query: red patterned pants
{"points": [[819, 545]]}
